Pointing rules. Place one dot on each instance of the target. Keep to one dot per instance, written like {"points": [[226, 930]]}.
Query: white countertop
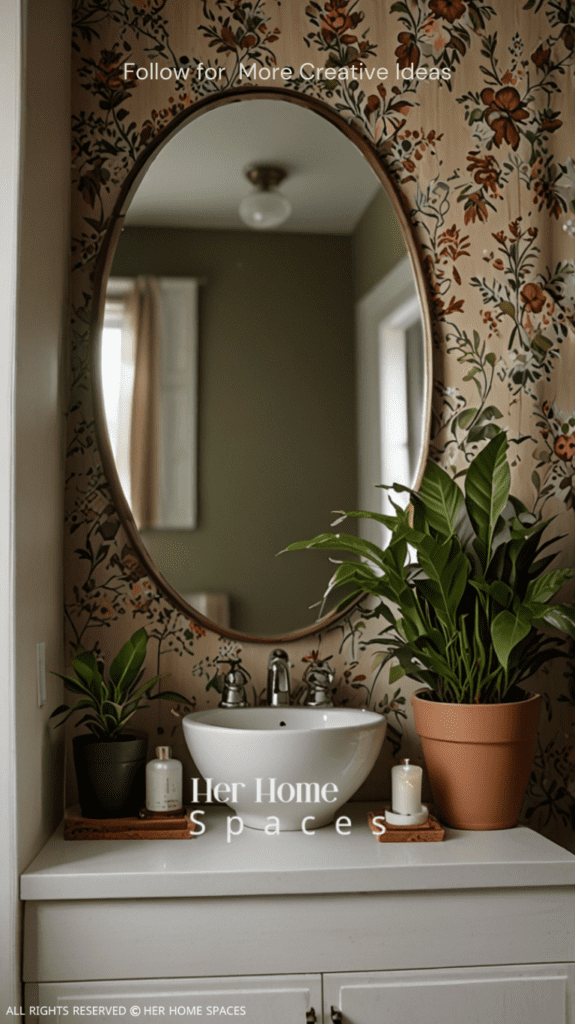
{"points": [[254, 863]]}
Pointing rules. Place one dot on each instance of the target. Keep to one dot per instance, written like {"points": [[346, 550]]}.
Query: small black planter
{"points": [[111, 775]]}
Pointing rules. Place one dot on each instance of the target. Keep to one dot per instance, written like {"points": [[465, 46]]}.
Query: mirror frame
{"points": [[102, 270]]}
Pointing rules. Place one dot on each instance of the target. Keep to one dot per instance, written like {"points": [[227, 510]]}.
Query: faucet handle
{"points": [[319, 677], [234, 686]]}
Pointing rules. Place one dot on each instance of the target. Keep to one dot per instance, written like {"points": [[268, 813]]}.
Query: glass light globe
{"points": [[264, 210]]}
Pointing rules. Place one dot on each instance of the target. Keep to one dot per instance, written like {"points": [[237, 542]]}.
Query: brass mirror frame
{"points": [[101, 274]]}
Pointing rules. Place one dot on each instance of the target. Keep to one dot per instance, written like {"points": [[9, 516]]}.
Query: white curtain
{"points": [[149, 368], [142, 313]]}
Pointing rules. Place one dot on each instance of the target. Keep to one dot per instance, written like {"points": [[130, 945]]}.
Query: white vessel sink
{"points": [[285, 763]]}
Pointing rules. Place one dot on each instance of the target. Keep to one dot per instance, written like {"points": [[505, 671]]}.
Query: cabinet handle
{"points": [[310, 1017], [336, 1015]]}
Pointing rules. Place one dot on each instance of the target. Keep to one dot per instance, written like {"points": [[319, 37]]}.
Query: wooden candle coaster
{"points": [[156, 827], [430, 832]]}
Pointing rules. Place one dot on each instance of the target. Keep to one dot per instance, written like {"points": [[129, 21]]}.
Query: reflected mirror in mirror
{"points": [[256, 380]]}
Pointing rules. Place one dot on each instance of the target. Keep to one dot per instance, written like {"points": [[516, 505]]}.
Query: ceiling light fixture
{"points": [[265, 208]]}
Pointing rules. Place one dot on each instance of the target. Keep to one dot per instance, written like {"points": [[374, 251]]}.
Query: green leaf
{"points": [[486, 492], [537, 609], [110, 710], [388, 521], [465, 417], [521, 510], [507, 630], [447, 569], [128, 662], [413, 622], [531, 664], [169, 695], [144, 689], [396, 672], [356, 574], [95, 725], [501, 593], [60, 710], [483, 432], [441, 497], [341, 542], [73, 685], [78, 706], [348, 572], [86, 667], [508, 308], [536, 568], [497, 589], [472, 373], [491, 412], [561, 616], [545, 587]]}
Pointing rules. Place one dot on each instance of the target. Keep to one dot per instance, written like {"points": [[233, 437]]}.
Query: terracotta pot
{"points": [[478, 758]]}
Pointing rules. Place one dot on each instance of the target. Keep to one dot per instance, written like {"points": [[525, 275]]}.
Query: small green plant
{"points": [[475, 600], [110, 703]]}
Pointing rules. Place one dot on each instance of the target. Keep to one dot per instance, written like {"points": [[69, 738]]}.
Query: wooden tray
{"points": [[430, 832], [147, 827]]}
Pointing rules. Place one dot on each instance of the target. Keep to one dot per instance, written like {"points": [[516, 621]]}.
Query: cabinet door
{"points": [[286, 999], [498, 995]]}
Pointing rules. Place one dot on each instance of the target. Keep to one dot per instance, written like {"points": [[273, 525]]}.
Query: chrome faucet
{"points": [[278, 693]]}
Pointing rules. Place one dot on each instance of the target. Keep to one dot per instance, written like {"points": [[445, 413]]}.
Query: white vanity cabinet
{"points": [[253, 1000], [481, 995], [504, 995], [297, 928]]}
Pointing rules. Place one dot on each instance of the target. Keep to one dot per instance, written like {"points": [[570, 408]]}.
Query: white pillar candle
{"points": [[406, 788], [406, 803]]}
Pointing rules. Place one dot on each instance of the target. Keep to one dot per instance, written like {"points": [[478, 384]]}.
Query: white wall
{"points": [[42, 301], [34, 246], [9, 151]]}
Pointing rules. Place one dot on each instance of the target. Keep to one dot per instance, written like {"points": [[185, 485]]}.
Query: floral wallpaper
{"points": [[474, 124]]}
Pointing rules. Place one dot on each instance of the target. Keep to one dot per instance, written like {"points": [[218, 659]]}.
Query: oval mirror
{"points": [[260, 369]]}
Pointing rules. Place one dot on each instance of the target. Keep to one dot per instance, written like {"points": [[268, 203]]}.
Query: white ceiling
{"points": [[198, 179]]}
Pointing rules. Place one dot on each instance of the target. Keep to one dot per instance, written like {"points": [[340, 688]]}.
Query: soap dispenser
{"points": [[164, 783]]}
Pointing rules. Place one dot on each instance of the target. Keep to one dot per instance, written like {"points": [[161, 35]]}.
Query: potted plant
{"points": [[110, 763], [468, 572]]}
